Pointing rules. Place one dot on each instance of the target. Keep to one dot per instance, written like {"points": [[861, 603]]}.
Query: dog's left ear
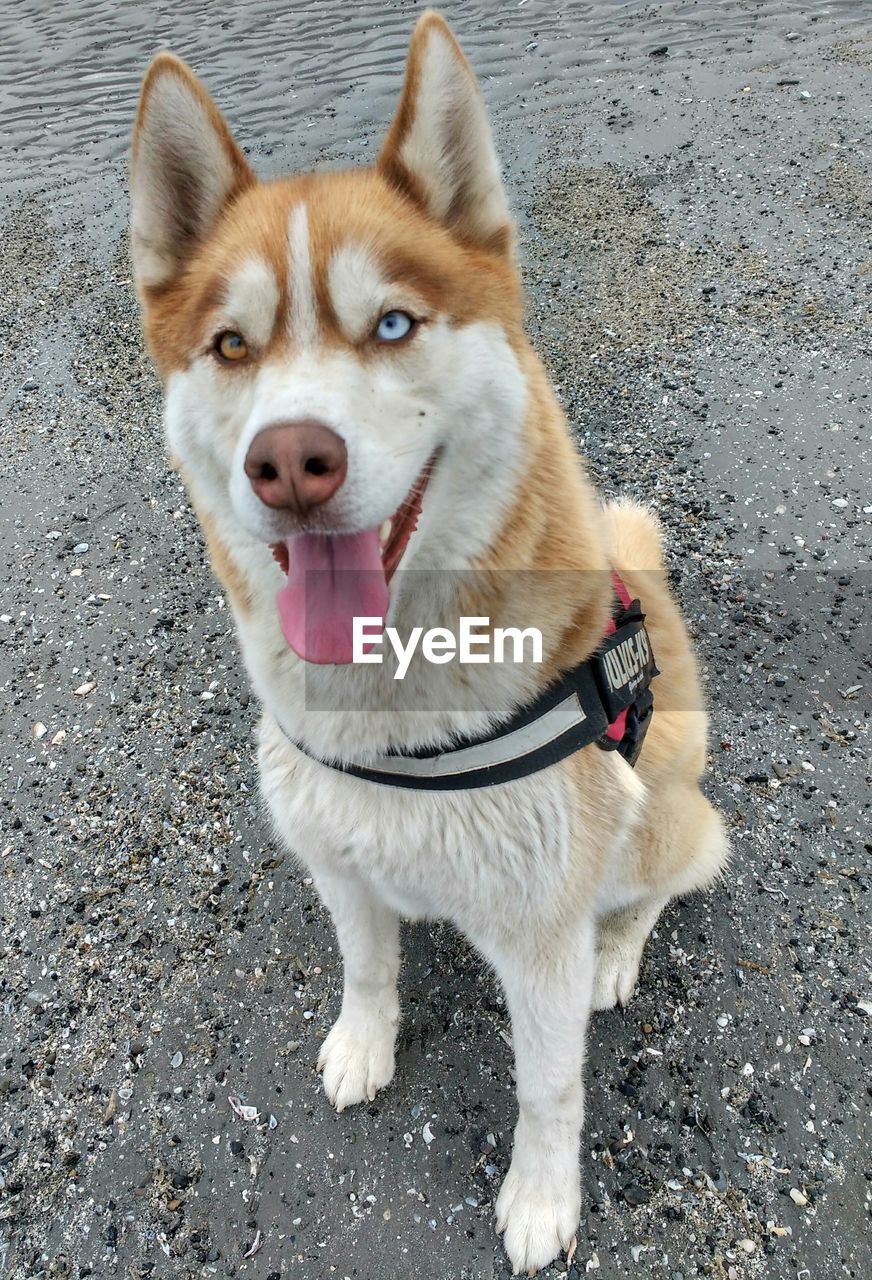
{"points": [[439, 149]]}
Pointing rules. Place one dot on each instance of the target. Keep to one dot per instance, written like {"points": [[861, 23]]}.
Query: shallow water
{"points": [[69, 72]]}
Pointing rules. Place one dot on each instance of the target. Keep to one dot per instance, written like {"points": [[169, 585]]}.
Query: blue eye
{"points": [[394, 325]]}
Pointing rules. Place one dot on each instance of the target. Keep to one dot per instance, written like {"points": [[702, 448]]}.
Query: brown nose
{"points": [[294, 466]]}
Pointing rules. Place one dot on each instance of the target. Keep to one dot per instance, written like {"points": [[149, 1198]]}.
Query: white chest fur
{"points": [[481, 859], [455, 855]]}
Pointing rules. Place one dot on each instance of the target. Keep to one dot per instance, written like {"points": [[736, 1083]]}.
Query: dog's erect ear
{"points": [[439, 148], [185, 167]]}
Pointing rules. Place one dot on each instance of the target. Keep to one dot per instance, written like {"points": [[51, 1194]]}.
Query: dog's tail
{"points": [[634, 536]]}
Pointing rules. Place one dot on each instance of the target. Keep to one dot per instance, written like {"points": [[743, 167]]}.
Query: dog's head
{"points": [[342, 351]]}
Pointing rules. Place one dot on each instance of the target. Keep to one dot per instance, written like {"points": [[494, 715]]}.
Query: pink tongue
{"points": [[331, 581]]}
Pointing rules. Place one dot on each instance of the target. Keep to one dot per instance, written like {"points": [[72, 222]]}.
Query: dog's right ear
{"points": [[185, 168], [439, 149]]}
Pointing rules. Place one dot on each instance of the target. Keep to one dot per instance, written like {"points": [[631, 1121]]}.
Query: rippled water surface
{"points": [[69, 72]]}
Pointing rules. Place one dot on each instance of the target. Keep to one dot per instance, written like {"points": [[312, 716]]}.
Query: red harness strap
{"points": [[618, 728]]}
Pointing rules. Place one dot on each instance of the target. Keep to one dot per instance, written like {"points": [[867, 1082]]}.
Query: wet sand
{"points": [[695, 230]]}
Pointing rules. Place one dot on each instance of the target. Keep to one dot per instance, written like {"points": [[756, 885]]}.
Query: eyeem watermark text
{"points": [[474, 642]]}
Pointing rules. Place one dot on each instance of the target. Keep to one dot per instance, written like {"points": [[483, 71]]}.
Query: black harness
{"points": [[605, 700]]}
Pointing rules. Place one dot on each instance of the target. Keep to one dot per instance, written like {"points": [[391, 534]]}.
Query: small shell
{"points": [[256, 1244], [241, 1110]]}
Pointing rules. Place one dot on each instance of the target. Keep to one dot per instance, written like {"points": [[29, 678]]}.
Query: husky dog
{"points": [[350, 396]]}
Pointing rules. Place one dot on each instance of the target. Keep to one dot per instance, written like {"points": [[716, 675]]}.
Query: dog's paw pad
{"points": [[539, 1218], [617, 972], [357, 1059]]}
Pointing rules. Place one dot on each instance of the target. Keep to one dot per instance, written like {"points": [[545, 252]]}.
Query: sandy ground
{"points": [[695, 231]]}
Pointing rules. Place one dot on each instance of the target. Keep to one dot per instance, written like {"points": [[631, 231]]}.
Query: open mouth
{"points": [[395, 533], [334, 578]]}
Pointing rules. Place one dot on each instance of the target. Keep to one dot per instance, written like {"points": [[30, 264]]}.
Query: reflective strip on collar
{"points": [[604, 700], [492, 753]]}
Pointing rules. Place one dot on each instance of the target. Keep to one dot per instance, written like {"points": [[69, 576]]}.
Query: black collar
{"points": [[604, 700]]}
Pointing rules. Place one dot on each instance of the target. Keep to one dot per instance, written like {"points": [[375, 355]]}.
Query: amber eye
{"points": [[231, 346]]}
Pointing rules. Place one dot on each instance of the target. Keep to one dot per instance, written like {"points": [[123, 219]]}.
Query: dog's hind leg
{"points": [[622, 938], [357, 1057], [683, 847]]}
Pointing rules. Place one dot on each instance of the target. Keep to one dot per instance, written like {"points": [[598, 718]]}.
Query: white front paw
{"points": [[357, 1058], [538, 1208]]}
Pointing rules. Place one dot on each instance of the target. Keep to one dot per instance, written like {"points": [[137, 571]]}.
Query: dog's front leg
{"points": [[548, 982], [357, 1057]]}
